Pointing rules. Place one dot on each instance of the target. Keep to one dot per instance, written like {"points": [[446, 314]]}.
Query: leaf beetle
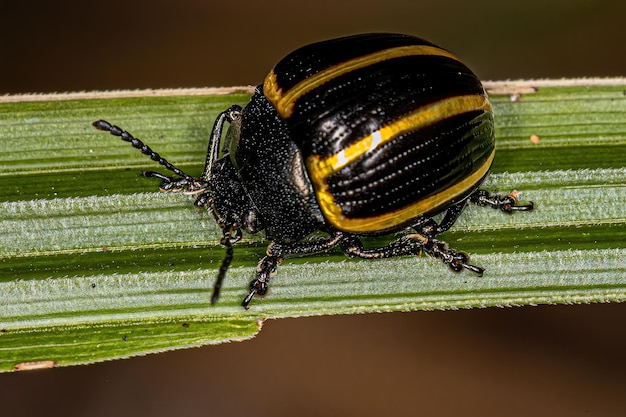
{"points": [[369, 134]]}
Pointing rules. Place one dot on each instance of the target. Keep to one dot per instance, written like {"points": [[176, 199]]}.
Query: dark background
{"points": [[547, 360]]}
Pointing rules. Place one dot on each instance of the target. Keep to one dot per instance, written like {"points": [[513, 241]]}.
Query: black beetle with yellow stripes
{"points": [[364, 135]]}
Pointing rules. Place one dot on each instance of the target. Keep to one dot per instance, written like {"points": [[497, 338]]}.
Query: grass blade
{"points": [[95, 264]]}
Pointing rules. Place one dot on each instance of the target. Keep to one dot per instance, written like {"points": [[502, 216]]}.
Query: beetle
{"points": [[368, 134]]}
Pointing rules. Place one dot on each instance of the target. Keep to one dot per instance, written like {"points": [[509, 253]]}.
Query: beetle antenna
{"points": [[145, 149]]}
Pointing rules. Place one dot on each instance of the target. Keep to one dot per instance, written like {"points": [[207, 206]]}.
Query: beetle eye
{"points": [[251, 222]]}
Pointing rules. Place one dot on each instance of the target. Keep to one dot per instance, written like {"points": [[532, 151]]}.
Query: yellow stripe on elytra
{"points": [[284, 101], [390, 220], [420, 118]]}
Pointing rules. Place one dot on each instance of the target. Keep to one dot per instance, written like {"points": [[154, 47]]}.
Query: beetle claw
{"points": [[507, 203], [476, 269], [248, 298]]}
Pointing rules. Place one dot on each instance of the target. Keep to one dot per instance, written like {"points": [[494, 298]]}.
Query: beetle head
{"points": [[226, 198]]}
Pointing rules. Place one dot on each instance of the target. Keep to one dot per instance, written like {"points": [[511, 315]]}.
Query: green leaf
{"points": [[95, 264]]}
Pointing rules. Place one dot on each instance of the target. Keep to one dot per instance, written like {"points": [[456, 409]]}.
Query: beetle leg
{"points": [[507, 203], [412, 244], [352, 246], [426, 226], [173, 184], [229, 115], [227, 241], [276, 252]]}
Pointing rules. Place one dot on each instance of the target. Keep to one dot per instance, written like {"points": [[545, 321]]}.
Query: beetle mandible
{"points": [[363, 135]]}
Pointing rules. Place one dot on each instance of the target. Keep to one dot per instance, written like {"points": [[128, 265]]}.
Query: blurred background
{"points": [[546, 360]]}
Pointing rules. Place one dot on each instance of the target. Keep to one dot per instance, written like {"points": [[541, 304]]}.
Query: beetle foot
{"points": [[507, 203], [457, 261], [256, 287], [266, 268], [188, 185]]}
